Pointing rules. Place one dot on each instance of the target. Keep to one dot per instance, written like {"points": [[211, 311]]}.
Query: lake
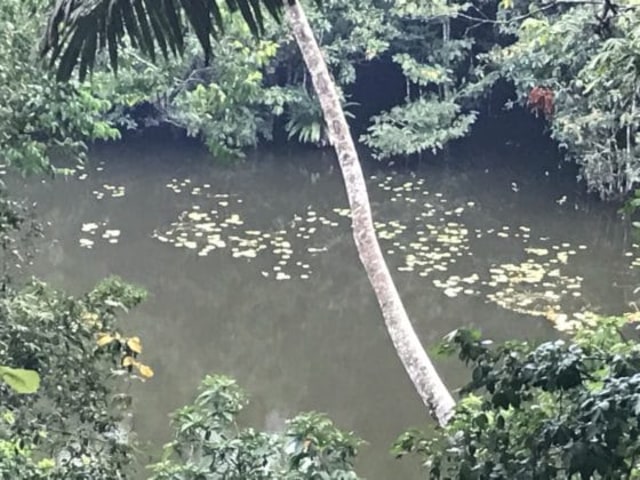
{"points": [[252, 271]]}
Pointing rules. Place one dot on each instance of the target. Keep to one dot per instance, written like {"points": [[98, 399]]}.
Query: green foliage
{"points": [[305, 119], [594, 80], [74, 425], [226, 102], [350, 33], [422, 125], [37, 115], [306, 122], [209, 444], [232, 101], [77, 29], [20, 380], [631, 207], [18, 229], [561, 410], [439, 99]]}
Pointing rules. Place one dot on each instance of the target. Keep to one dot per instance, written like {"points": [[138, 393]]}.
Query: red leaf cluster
{"points": [[540, 101]]}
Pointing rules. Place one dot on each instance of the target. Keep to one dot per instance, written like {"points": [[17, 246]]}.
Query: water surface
{"points": [[252, 272]]}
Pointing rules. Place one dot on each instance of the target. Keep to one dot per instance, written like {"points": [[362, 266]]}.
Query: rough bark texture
{"points": [[424, 376]]}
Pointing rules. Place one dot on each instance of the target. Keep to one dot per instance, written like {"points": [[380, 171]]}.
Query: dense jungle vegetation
{"points": [[563, 409], [564, 61]]}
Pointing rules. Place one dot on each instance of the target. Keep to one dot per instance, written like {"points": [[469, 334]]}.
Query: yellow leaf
{"points": [[145, 370], [633, 316], [506, 4], [134, 344], [128, 361], [105, 339], [91, 318]]}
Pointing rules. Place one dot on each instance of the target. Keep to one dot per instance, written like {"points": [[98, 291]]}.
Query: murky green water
{"points": [[252, 272]]}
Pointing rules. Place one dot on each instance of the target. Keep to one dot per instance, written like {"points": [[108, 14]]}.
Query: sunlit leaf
{"points": [[105, 339], [91, 318], [20, 380], [145, 370], [128, 361], [134, 344]]}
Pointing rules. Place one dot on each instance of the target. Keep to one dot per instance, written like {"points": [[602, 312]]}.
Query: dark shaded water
{"points": [[252, 272]]}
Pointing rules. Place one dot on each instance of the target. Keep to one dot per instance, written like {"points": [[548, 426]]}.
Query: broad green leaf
{"points": [[20, 380]]}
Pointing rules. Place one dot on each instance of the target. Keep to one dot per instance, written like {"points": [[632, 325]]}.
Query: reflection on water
{"points": [[252, 272]]}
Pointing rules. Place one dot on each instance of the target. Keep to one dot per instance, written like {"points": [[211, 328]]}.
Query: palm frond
{"points": [[78, 29]]}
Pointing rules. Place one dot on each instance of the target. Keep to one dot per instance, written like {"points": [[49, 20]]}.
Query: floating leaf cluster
{"points": [[536, 286], [177, 186], [113, 191], [429, 236], [93, 230], [220, 228]]}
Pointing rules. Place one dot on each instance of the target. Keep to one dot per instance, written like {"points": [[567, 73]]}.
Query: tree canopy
{"points": [[78, 29]]}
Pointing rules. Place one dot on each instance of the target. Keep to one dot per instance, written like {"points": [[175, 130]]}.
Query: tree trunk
{"points": [[424, 376]]}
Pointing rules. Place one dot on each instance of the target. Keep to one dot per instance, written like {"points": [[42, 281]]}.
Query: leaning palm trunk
{"points": [[424, 376]]}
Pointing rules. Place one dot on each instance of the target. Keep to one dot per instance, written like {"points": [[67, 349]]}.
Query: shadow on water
{"points": [[315, 340]]}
